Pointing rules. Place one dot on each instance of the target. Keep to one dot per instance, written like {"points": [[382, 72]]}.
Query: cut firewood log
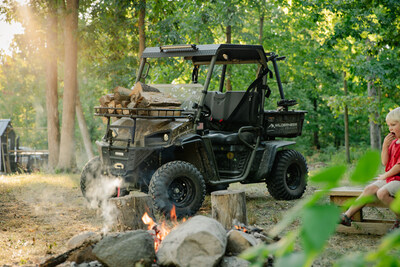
{"points": [[121, 93], [125, 103], [140, 88], [131, 209], [119, 108], [105, 99], [156, 99], [111, 105], [228, 206]]}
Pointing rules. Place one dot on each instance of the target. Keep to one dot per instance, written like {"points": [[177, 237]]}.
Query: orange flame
{"points": [[160, 231], [240, 228]]}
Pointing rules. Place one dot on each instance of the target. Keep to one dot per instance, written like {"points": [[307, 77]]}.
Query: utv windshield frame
{"points": [[211, 55]]}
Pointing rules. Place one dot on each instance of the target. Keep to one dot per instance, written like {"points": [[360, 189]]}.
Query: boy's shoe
{"points": [[345, 220], [395, 226]]}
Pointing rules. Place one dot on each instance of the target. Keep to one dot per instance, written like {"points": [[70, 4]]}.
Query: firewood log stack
{"points": [[141, 96]]}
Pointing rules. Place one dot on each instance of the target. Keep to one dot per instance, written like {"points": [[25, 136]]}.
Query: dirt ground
{"points": [[39, 213]]}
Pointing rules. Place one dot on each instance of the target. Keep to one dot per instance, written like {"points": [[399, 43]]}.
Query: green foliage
{"points": [[318, 223], [320, 39], [366, 168]]}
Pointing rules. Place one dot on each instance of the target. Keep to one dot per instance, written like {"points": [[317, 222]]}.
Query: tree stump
{"points": [[229, 205], [131, 209]]}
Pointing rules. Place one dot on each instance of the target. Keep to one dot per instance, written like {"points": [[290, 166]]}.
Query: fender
{"points": [[268, 158], [206, 160], [188, 139]]}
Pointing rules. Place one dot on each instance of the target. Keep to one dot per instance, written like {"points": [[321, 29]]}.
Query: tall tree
{"points": [[141, 26], [70, 86], [53, 124]]}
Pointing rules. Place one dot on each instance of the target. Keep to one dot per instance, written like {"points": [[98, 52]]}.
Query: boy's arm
{"points": [[385, 148], [393, 171]]}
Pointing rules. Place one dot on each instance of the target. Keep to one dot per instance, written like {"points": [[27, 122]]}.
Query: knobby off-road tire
{"points": [[288, 179], [179, 184], [90, 172], [95, 186]]}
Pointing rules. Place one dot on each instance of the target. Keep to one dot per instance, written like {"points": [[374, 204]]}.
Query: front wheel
{"points": [[179, 184], [97, 186], [288, 179]]}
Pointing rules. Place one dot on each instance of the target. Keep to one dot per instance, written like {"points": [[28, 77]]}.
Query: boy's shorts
{"points": [[392, 187]]}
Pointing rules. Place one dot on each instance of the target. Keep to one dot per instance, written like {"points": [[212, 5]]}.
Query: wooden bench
{"points": [[360, 225]]}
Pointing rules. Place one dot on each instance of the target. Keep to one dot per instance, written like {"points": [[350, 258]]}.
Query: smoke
{"points": [[98, 193]]}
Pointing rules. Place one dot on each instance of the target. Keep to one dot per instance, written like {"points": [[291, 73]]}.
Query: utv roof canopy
{"points": [[202, 54]]}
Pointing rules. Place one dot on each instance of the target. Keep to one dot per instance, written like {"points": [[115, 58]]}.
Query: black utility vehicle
{"points": [[215, 138]]}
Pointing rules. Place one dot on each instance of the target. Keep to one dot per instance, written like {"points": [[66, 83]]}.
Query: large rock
{"points": [[82, 245], [81, 238], [126, 249], [200, 241], [233, 262], [239, 241]]}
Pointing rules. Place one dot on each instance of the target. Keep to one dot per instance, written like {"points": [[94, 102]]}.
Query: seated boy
{"points": [[388, 183]]}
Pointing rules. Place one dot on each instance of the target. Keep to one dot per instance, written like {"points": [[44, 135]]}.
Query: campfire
{"points": [[160, 231]]}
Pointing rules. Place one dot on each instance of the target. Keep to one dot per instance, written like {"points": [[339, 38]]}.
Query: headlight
{"points": [[158, 138], [166, 137]]}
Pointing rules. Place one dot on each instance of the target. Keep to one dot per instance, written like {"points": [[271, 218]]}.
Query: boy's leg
{"points": [[369, 190], [387, 192], [386, 195]]}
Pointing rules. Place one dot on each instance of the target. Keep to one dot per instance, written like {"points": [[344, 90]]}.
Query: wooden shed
{"points": [[7, 146]]}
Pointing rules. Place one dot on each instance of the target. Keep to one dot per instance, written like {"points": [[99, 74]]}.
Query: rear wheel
{"points": [[97, 186], [288, 179], [178, 184]]}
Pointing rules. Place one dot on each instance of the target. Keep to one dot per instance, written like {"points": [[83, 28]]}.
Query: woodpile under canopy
{"points": [[142, 96]]}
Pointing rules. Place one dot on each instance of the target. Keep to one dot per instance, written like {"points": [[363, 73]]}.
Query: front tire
{"points": [[96, 186], [288, 179], [179, 184]]}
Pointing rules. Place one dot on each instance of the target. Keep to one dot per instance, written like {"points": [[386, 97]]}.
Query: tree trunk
{"points": [[70, 86], [228, 41], [141, 25], [131, 209], [374, 126], [316, 143], [53, 123], [346, 122], [261, 32], [84, 129], [229, 206]]}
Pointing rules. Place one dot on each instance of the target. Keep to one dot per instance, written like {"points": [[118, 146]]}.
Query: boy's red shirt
{"points": [[394, 158]]}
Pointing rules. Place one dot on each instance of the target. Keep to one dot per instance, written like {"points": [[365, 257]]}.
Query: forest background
{"points": [[342, 64]]}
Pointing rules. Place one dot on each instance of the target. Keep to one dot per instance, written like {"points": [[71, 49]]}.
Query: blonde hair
{"points": [[393, 115]]}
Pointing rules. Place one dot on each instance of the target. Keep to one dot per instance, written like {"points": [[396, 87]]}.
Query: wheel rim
{"points": [[180, 191], [293, 176]]}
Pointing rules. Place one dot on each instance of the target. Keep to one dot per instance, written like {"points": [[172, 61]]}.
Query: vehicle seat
{"points": [[227, 138], [223, 113]]}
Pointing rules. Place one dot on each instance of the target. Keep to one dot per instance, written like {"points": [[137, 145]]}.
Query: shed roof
{"points": [[3, 125]]}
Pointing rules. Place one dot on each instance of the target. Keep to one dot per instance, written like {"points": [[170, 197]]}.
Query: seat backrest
{"points": [[223, 105]]}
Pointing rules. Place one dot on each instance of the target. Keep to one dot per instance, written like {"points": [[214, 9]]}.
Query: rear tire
{"points": [[288, 179], [179, 184], [96, 186]]}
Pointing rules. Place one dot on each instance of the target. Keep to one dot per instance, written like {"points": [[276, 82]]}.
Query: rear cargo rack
{"points": [[136, 113], [148, 113]]}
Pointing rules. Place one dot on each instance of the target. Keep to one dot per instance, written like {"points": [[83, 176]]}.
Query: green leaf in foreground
{"points": [[395, 206], [297, 259], [330, 176], [319, 223], [351, 260], [366, 168], [358, 201]]}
